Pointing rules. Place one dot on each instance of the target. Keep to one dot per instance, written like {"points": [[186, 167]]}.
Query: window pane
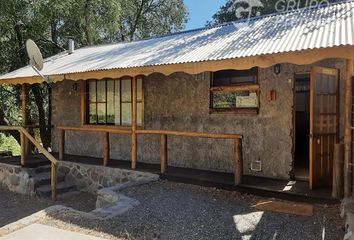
{"points": [[126, 114], [235, 77], [139, 89], [126, 91], [93, 115], [101, 113], [92, 90], [101, 91], [110, 102], [117, 102], [224, 100], [246, 99], [139, 114], [237, 99]]}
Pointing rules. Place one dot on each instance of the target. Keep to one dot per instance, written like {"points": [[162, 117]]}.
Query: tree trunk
{"points": [[44, 130], [87, 27]]}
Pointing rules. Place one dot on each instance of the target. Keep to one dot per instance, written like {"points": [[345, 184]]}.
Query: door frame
{"points": [[293, 176]]}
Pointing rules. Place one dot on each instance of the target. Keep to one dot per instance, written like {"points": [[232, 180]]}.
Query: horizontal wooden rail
{"points": [[190, 134], [96, 129], [25, 134], [237, 149], [38, 126], [237, 145]]}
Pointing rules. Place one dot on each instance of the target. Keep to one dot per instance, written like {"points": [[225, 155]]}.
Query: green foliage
{"points": [[227, 12], [8, 143], [50, 23]]}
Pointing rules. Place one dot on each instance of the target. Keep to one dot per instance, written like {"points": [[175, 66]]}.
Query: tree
{"points": [[227, 12], [146, 18], [52, 22]]}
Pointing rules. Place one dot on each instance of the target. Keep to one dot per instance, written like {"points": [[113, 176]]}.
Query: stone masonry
{"points": [[91, 178], [181, 102], [16, 179]]}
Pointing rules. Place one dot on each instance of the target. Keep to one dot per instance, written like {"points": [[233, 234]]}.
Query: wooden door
{"points": [[323, 125]]}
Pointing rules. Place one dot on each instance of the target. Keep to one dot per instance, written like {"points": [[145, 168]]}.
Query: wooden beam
{"points": [[40, 148], [253, 87], [163, 152], [23, 149], [24, 114], [106, 150], [53, 181], [238, 159], [190, 134], [134, 124], [347, 129], [24, 104], [61, 144], [82, 102], [87, 128], [297, 57]]}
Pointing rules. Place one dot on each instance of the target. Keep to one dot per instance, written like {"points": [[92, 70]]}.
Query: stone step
{"points": [[42, 169], [44, 178], [63, 187]]}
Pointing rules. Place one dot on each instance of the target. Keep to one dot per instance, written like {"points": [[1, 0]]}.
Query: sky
{"points": [[200, 11]]}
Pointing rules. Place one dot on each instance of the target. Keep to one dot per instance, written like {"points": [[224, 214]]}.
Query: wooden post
{"points": [[347, 129], [23, 148], [105, 149], [133, 116], [238, 161], [163, 152], [24, 114], [337, 189], [61, 144], [24, 103], [53, 182]]}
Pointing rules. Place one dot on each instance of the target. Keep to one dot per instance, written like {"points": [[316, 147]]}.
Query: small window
{"points": [[109, 102], [235, 91]]}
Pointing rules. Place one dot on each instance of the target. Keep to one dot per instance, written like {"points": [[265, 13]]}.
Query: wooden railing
{"points": [[24, 134], [237, 149]]}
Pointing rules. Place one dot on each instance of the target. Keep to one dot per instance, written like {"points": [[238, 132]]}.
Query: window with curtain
{"points": [[109, 102]]}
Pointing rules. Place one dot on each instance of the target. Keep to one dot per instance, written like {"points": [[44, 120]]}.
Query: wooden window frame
{"points": [[84, 105], [246, 87]]}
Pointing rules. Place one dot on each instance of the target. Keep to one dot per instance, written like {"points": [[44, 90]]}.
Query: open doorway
{"points": [[302, 126]]}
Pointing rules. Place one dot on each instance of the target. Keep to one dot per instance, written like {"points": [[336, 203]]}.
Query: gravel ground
{"points": [[180, 211], [14, 206]]}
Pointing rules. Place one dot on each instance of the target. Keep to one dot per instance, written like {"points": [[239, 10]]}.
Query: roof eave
{"points": [[303, 57]]}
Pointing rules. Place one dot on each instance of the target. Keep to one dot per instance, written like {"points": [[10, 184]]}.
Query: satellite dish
{"points": [[35, 56]]}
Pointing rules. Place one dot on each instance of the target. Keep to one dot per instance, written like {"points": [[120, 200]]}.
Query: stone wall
{"points": [[181, 102], [91, 178], [16, 179]]}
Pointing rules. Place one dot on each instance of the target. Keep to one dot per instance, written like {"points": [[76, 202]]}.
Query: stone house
{"points": [[272, 98]]}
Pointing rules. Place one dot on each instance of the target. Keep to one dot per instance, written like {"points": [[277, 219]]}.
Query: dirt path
{"points": [[14, 206]]}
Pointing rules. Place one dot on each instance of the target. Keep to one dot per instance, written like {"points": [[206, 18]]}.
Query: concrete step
{"points": [[44, 178], [62, 187]]}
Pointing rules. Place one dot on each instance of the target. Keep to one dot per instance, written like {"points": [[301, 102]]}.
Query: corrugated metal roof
{"points": [[304, 29]]}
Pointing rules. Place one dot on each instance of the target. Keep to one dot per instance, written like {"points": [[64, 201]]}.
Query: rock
{"points": [[14, 180]]}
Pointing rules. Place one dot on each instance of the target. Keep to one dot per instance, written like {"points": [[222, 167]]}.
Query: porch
{"points": [[283, 189]]}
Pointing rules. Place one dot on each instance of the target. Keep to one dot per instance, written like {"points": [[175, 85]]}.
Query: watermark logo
{"points": [[255, 8], [291, 5], [246, 12]]}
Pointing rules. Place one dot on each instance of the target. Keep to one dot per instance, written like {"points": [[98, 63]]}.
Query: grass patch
{"points": [[8, 143]]}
